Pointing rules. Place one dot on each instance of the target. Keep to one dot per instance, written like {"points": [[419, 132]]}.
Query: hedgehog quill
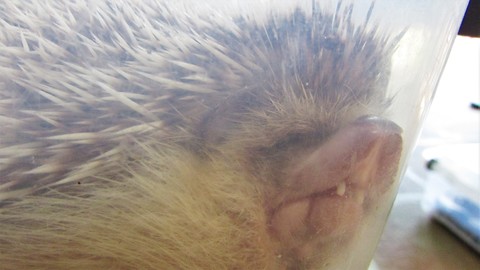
{"points": [[145, 135]]}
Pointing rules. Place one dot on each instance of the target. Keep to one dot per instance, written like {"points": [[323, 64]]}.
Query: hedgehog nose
{"points": [[381, 123], [377, 155]]}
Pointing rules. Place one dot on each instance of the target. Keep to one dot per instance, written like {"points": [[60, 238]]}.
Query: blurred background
{"points": [[428, 228]]}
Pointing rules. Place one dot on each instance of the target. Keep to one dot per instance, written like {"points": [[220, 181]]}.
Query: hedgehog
{"points": [[174, 135]]}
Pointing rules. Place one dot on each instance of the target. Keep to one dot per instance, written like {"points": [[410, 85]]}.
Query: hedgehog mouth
{"points": [[333, 189], [304, 210], [343, 189]]}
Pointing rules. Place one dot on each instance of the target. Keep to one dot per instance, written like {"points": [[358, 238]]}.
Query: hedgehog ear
{"points": [[364, 154]]}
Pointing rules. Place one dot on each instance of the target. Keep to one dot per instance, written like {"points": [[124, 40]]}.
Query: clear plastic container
{"points": [[209, 134]]}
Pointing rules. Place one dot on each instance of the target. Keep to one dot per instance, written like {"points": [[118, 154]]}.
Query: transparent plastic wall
{"points": [[209, 134]]}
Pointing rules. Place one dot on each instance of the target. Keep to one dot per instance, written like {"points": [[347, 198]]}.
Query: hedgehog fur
{"points": [[145, 135]]}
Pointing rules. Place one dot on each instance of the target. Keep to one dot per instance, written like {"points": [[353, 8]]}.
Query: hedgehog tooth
{"points": [[341, 188]]}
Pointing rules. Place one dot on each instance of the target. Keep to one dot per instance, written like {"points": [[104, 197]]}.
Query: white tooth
{"points": [[341, 188]]}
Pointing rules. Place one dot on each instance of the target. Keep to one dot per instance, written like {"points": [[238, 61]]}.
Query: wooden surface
{"points": [[412, 240]]}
